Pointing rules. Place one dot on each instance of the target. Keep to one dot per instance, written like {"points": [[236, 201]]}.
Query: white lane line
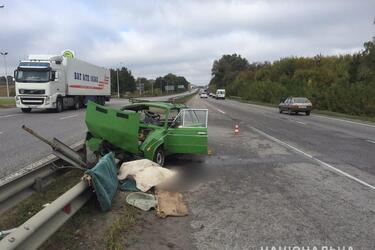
{"points": [[300, 122], [6, 116], [67, 117], [370, 141], [344, 120], [220, 111], [212, 106], [322, 163]]}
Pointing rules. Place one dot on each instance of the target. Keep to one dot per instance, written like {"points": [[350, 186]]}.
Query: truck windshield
{"points": [[32, 76]]}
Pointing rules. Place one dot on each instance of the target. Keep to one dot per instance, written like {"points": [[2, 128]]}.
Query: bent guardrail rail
{"points": [[36, 230], [25, 178]]}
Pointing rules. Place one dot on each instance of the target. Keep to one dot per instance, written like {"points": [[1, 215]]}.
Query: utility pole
{"points": [[6, 71], [118, 86]]}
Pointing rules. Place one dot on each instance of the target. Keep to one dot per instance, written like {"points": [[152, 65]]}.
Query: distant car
{"points": [[213, 95], [203, 95], [220, 94], [296, 105]]}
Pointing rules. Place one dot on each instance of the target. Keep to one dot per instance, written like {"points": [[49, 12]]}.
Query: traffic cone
{"points": [[236, 129]]}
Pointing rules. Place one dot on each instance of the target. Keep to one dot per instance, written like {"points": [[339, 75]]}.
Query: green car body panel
{"points": [[121, 128]]}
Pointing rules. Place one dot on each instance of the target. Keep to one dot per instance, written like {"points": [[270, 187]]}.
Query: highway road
{"points": [[18, 148], [284, 181]]}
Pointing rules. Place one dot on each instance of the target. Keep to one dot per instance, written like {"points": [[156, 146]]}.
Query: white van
{"points": [[220, 94]]}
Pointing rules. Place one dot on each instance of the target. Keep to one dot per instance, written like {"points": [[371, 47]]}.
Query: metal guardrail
{"points": [[25, 178], [35, 231]]}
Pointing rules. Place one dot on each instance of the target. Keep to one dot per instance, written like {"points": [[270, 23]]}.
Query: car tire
{"points": [[307, 112], [159, 156], [280, 111], [289, 112], [26, 110], [59, 105]]}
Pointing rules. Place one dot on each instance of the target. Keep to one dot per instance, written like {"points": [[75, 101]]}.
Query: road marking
{"points": [[220, 111], [6, 116], [66, 117], [1, 132], [300, 122], [370, 141], [216, 108], [314, 158], [343, 120]]}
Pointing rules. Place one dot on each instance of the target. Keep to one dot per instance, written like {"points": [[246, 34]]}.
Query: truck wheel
{"points": [[77, 104], [59, 105], [159, 156], [26, 110]]}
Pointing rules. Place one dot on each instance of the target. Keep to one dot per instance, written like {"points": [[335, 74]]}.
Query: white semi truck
{"points": [[58, 82]]}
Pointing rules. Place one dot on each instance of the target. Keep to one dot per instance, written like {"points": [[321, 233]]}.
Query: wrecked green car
{"points": [[150, 130]]}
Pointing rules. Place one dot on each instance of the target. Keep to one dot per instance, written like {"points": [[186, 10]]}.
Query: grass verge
{"points": [[7, 102]]}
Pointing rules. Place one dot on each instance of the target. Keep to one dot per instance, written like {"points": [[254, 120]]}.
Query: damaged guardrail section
{"points": [[26, 177], [41, 226]]}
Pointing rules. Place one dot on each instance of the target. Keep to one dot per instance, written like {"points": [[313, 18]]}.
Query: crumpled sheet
{"points": [[146, 173], [170, 204], [104, 180]]}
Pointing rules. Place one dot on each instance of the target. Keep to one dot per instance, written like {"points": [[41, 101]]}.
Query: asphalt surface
{"points": [[18, 148], [283, 182]]}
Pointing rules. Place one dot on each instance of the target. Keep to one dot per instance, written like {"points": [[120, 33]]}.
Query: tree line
{"points": [[128, 83], [342, 83]]}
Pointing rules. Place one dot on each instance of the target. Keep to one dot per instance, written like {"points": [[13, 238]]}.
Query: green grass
{"points": [[33, 204], [7, 102], [316, 111]]}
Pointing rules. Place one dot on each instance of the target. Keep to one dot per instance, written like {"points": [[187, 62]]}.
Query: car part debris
{"points": [[170, 204], [141, 200], [146, 173], [61, 150], [104, 180]]}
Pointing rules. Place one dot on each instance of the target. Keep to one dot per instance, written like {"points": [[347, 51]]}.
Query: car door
{"points": [[283, 105], [188, 133]]}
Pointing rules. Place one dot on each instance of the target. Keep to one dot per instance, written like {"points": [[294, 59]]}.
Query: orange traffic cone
{"points": [[236, 129]]}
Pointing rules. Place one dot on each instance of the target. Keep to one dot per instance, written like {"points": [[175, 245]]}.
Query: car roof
{"points": [[163, 105]]}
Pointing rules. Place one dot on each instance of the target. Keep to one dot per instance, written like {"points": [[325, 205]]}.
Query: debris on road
{"points": [[170, 204], [104, 180], [141, 200], [146, 173], [129, 185]]}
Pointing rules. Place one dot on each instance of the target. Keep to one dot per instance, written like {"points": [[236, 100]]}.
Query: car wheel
{"points": [[289, 111], [307, 112], [280, 111], [26, 110], [159, 156], [59, 105]]}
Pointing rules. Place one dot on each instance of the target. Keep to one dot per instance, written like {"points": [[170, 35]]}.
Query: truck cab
{"points": [[39, 83]]}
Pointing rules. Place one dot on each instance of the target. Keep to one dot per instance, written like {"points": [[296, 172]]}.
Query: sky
{"points": [[153, 38]]}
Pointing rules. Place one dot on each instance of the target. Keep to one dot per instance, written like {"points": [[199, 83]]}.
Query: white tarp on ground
{"points": [[146, 173]]}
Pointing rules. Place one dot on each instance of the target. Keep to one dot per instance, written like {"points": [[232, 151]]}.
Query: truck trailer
{"points": [[58, 82]]}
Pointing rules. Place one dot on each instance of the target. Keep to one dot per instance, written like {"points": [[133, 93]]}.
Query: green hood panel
{"points": [[120, 128]]}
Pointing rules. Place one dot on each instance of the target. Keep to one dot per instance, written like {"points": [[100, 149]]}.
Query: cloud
{"points": [[154, 38]]}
